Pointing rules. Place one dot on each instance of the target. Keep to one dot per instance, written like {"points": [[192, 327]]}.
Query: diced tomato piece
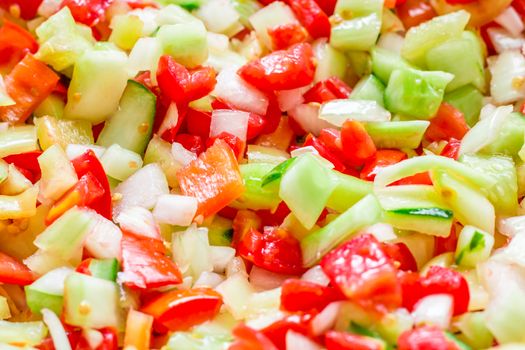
{"points": [[87, 191], [345, 341], [89, 163], [192, 143], [141, 4], [312, 17], [282, 69], [276, 217], [145, 264], [28, 163], [28, 84], [202, 82], [14, 272], [328, 6], [300, 295], [15, 43], [381, 159], [285, 35], [338, 87], [425, 338], [364, 273], [88, 12], [403, 257], [247, 338], [358, 146], [256, 125], [410, 288], [28, 8], [446, 244], [198, 123], [273, 115], [449, 122], [519, 6], [276, 332], [275, 250], [236, 144], [460, 2], [417, 179], [109, 341], [451, 150], [214, 179], [180, 310], [414, 12], [319, 93], [334, 156], [244, 221]]}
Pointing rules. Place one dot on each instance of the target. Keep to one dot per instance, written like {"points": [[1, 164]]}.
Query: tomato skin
{"points": [[300, 295], [145, 264], [345, 341], [449, 122], [28, 8], [312, 17], [443, 280], [285, 35], [334, 156], [192, 143], [358, 146], [28, 84], [14, 272], [256, 126], [381, 159], [236, 144], [446, 244], [414, 12], [417, 179], [28, 163], [198, 123], [425, 338], [15, 43], [451, 150], [179, 310], [364, 273], [247, 338], [109, 341], [88, 12], [400, 253], [298, 322], [282, 69], [327, 90]]}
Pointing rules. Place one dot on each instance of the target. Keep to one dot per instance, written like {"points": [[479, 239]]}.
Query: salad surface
{"points": [[262, 175]]}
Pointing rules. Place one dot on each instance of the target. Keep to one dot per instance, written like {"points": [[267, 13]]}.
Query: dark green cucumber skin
{"points": [[436, 213]]}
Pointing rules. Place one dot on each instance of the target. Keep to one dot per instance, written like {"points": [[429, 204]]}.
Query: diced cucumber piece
{"points": [[416, 208], [356, 34], [468, 100], [220, 232], [306, 187], [12, 181], [360, 62], [264, 154], [227, 23], [58, 174], [22, 205], [186, 4], [191, 251], [159, 151], [474, 330], [255, 195], [53, 131], [99, 79], [126, 30], [186, 42], [105, 269], [415, 93], [132, 124], [120, 163], [474, 246], [245, 9], [197, 341], [52, 106], [276, 173], [349, 191], [22, 333], [91, 302], [65, 236], [18, 139], [429, 34], [384, 62], [330, 62], [369, 88], [397, 134], [364, 213], [358, 8], [510, 138], [336, 112], [48, 291], [470, 206], [450, 57], [275, 14], [503, 193]]}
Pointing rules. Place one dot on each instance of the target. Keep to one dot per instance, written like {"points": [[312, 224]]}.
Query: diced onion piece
{"points": [[236, 292], [56, 329], [232, 89], [232, 122], [103, 239], [503, 40], [325, 320], [263, 154], [236, 265], [336, 112], [311, 150], [191, 251], [276, 13], [383, 232], [49, 7], [145, 56], [514, 252], [434, 309], [296, 340], [262, 279], [512, 226], [510, 20], [139, 221], [288, 99], [316, 275], [74, 150], [221, 257], [175, 209], [391, 41], [208, 279], [228, 20], [170, 119], [307, 116], [181, 154], [508, 77], [5, 99], [93, 337]]}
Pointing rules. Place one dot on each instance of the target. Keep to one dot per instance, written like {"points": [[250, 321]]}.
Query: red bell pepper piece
{"points": [[89, 163], [300, 295], [198, 123], [180, 310], [414, 12], [275, 250], [236, 144], [181, 85], [15, 43], [312, 17], [358, 146], [402, 256], [451, 150], [88, 12], [86, 192], [425, 338], [282, 69], [449, 122], [381, 159], [345, 341], [276, 332], [214, 179], [28, 8], [28, 84], [192, 143], [364, 273], [285, 35], [27, 163], [14, 272], [247, 338], [145, 264]]}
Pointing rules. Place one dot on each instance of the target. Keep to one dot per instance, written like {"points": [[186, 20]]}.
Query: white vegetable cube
{"points": [[175, 209], [435, 310], [474, 246]]}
